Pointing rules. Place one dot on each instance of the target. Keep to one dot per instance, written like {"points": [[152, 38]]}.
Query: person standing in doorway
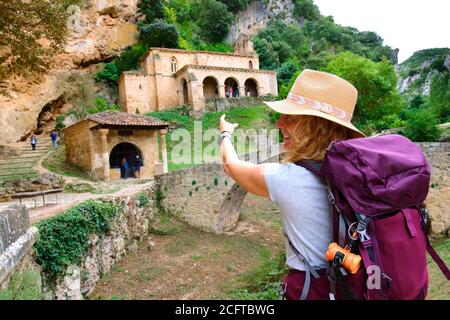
{"points": [[54, 137], [124, 169], [33, 142], [137, 167]]}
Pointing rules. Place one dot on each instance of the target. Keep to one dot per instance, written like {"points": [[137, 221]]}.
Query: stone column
{"points": [[241, 92], [221, 91], [162, 138], [105, 155]]}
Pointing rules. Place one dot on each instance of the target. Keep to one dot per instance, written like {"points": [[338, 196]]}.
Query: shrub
{"points": [[100, 104], [142, 199], [110, 73], [440, 97], [159, 34], [421, 126], [64, 239], [59, 125], [306, 9]]}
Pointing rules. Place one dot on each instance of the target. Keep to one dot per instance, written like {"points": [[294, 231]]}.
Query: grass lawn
{"points": [[259, 117]]}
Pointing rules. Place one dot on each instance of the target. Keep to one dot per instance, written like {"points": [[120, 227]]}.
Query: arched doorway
{"points": [[251, 88], [210, 88], [125, 150], [185, 92], [231, 88]]}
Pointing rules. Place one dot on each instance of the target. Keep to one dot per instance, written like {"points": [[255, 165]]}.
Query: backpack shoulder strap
{"points": [[313, 166]]}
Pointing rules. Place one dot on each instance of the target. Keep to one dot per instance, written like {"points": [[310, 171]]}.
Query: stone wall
{"points": [[139, 85], [130, 227], [221, 104], [438, 200], [17, 239], [195, 195]]}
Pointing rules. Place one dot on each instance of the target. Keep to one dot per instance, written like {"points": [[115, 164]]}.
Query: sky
{"points": [[409, 25]]}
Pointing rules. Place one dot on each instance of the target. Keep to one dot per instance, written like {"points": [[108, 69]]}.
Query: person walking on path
{"points": [[54, 137], [33, 142]]}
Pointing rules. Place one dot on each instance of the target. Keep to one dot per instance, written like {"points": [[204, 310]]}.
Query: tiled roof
{"points": [[126, 119]]}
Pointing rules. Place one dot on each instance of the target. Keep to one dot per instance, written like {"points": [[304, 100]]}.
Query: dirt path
{"points": [[191, 264]]}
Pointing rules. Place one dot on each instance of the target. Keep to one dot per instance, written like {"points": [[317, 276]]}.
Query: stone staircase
{"points": [[21, 166]]}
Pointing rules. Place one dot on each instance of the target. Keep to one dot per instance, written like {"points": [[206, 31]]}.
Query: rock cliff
{"points": [[417, 72], [257, 15], [100, 30]]}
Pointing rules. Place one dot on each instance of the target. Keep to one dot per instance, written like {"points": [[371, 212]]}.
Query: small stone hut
{"points": [[99, 142]]}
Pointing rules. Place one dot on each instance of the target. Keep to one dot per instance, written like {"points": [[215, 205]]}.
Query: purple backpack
{"points": [[378, 185]]}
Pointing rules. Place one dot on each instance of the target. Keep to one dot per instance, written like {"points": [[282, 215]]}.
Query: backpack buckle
{"points": [[363, 236], [331, 198]]}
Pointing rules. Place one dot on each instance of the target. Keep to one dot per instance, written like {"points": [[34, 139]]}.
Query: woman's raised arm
{"points": [[248, 175]]}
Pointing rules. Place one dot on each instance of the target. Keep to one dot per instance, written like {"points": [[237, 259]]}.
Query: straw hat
{"points": [[320, 94]]}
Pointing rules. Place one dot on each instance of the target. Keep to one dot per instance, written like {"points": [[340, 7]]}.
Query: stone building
{"points": [[171, 77], [98, 143]]}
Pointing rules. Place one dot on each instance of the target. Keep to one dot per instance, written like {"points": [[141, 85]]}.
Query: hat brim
{"points": [[289, 107]]}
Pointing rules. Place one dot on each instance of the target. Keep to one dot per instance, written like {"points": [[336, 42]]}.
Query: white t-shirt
{"points": [[305, 211]]}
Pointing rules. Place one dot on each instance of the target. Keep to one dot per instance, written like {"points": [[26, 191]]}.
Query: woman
{"points": [[316, 112]]}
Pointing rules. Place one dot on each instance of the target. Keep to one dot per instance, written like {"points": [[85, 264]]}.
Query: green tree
{"points": [[417, 101], [159, 34], [151, 9], [109, 73], [213, 20], [170, 14], [440, 97], [421, 126], [306, 9], [100, 104], [376, 84], [268, 59], [23, 26]]}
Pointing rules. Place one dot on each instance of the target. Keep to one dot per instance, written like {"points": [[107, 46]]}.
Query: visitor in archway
{"points": [[137, 167], [302, 196], [33, 141], [124, 169]]}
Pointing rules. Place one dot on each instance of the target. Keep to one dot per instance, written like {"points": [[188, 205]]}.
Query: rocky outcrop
{"points": [[257, 15], [416, 73], [99, 32]]}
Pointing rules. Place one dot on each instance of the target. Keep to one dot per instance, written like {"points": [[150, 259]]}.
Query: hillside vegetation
{"points": [[311, 40]]}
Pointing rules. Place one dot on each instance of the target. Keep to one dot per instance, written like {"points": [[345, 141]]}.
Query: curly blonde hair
{"points": [[312, 136]]}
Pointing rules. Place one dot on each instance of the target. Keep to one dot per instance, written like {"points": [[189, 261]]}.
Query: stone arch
{"points": [[231, 87], [251, 87], [210, 87], [173, 64], [125, 150], [250, 64]]}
